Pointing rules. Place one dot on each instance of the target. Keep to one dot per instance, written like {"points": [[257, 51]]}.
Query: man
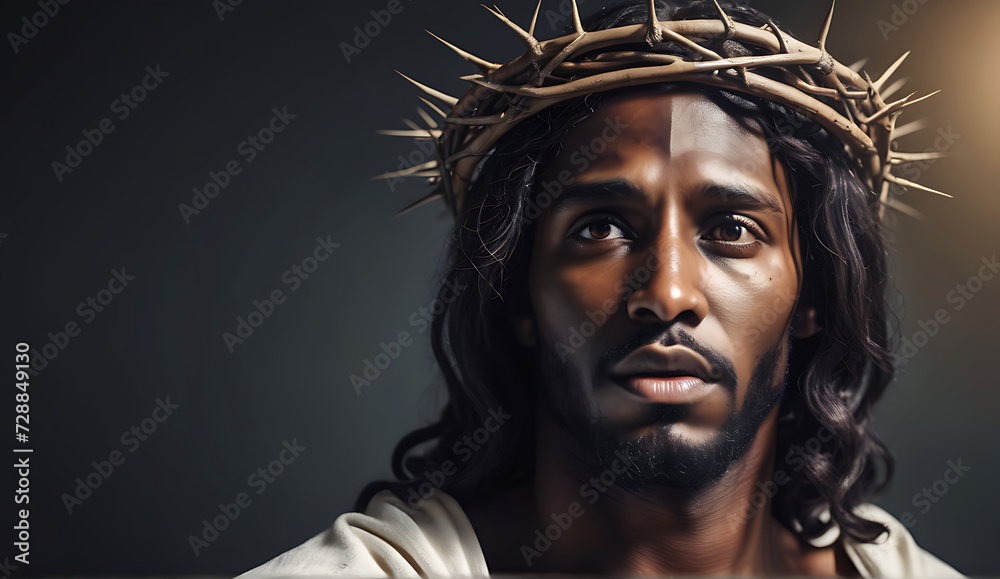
{"points": [[673, 329]]}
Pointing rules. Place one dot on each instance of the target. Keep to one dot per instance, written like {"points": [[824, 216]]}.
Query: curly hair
{"points": [[834, 379]]}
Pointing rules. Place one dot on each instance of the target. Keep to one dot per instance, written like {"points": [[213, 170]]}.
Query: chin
{"points": [[666, 456]]}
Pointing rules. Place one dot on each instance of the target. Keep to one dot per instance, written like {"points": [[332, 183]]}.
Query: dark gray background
{"points": [[162, 336]]}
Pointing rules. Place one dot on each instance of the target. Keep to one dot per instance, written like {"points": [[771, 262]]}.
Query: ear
{"points": [[524, 329], [806, 322]]}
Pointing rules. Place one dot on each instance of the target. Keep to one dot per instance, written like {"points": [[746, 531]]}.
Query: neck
{"points": [[724, 528]]}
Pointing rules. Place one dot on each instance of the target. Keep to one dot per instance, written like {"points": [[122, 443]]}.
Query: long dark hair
{"points": [[826, 440]]}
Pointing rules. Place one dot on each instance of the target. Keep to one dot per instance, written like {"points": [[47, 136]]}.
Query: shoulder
{"points": [[391, 538], [895, 555]]}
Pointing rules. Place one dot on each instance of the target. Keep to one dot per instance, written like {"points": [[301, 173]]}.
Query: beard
{"points": [[661, 458]]}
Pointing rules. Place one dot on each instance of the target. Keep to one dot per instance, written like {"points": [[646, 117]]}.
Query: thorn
{"points": [[906, 183], [923, 98], [888, 72], [901, 158], [422, 201], [780, 37], [534, 19], [900, 132], [432, 133], [826, 27], [433, 92], [653, 32], [888, 109], [427, 118], [902, 208], [577, 25], [726, 21], [857, 66], [528, 38], [404, 133], [893, 88], [483, 64], [409, 171], [434, 107]]}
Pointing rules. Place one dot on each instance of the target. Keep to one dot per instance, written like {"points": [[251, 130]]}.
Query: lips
{"points": [[666, 375]]}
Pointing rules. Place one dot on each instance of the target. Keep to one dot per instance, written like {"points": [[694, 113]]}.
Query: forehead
{"points": [[649, 129], [679, 120], [668, 142]]}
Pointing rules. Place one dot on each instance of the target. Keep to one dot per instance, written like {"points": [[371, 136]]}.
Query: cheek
{"points": [[572, 302], [753, 302]]}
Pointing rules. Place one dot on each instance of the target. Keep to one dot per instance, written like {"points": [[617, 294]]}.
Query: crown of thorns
{"points": [[788, 72]]}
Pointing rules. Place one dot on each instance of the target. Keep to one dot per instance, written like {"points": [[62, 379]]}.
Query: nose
{"points": [[673, 289]]}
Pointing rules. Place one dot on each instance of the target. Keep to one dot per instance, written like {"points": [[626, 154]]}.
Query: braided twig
{"points": [[790, 72]]}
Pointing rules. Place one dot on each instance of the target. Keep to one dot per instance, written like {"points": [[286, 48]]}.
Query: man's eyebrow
{"points": [[744, 196], [740, 195], [601, 191]]}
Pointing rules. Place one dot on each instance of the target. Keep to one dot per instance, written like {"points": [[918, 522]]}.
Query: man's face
{"points": [[662, 282]]}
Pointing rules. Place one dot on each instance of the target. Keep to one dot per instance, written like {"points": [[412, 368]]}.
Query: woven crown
{"points": [[789, 72]]}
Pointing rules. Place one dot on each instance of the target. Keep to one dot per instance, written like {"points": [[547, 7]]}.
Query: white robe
{"points": [[392, 539]]}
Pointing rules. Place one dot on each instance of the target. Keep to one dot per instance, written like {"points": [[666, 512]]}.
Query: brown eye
{"points": [[732, 231], [601, 230]]}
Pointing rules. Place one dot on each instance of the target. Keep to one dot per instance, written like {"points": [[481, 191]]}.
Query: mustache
{"points": [[665, 335]]}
